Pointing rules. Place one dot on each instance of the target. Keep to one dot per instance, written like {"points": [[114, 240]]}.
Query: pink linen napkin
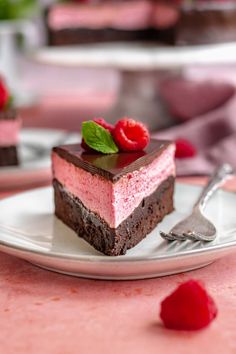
{"points": [[187, 98], [210, 127]]}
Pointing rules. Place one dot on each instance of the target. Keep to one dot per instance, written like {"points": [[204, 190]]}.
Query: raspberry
{"points": [[184, 149], [103, 124], [4, 95], [131, 135], [189, 307]]}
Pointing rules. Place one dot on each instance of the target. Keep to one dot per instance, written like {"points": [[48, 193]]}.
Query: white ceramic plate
{"points": [[34, 154], [29, 230], [137, 56]]}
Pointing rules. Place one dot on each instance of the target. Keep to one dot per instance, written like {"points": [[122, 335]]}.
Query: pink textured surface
{"points": [[118, 199], [43, 312]]}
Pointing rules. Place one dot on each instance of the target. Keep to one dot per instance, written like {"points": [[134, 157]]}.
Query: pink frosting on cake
{"points": [[9, 131], [114, 202], [128, 15]]}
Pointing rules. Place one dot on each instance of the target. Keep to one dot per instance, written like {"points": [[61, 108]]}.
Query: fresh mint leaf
{"points": [[98, 138]]}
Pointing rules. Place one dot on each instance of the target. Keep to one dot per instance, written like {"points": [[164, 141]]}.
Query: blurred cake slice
{"points": [[9, 128], [9, 137]]}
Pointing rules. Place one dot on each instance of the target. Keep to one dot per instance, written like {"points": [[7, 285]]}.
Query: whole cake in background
{"points": [[78, 22], [115, 187], [173, 22], [207, 21], [9, 128]]}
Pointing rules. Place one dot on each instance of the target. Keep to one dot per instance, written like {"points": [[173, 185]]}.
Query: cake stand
{"points": [[142, 67]]}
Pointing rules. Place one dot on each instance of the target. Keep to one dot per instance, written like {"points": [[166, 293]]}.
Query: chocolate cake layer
{"points": [[8, 156], [110, 241], [88, 36], [113, 166]]}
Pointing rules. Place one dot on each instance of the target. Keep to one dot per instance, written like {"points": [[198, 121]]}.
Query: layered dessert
{"points": [[78, 22], [9, 129], [175, 22], [113, 200]]}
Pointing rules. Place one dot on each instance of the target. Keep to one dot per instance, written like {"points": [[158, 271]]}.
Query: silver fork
{"points": [[196, 226]]}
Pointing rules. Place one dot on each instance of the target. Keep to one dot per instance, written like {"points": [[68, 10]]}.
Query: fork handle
{"points": [[220, 175]]}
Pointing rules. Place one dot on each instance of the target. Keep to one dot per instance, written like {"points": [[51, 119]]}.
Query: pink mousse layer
{"points": [[128, 15], [114, 202], [9, 132]]}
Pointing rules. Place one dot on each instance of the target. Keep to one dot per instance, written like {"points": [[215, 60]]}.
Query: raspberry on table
{"points": [[184, 149], [189, 307], [131, 135]]}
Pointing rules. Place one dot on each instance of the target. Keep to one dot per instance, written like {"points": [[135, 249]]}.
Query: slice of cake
{"points": [[9, 129], [113, 200]]}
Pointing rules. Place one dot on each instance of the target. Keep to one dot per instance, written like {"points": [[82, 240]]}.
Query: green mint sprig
{"points": [[98, 138]]}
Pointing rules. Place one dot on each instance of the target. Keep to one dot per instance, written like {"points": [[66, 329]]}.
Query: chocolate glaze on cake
{"points": [[114, 241], [114, 166]]}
